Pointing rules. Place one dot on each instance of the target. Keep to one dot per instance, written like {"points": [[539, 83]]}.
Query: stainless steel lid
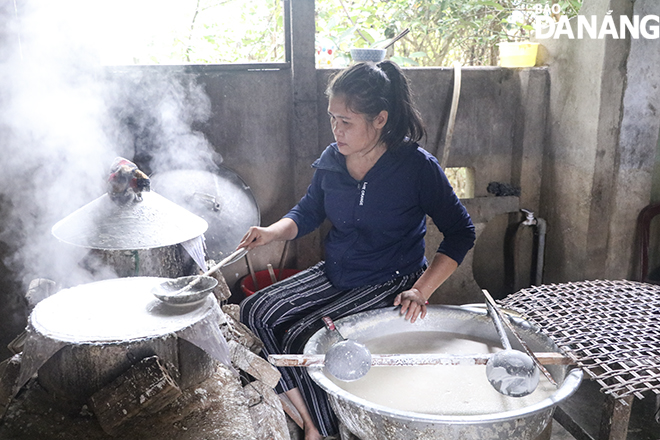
{"points": [[150, 223], [220, 197]]}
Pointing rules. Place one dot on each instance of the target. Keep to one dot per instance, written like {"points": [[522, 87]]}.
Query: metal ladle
{"points": [[191, 289], [347, 360], [511, 372]]}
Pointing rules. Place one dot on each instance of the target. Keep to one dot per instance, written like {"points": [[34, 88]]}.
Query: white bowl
{"points": [[362, 55]]}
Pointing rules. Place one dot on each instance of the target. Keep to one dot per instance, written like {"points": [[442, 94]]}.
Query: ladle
{"points": [[511, 372], [169, 289], [347, 360]]}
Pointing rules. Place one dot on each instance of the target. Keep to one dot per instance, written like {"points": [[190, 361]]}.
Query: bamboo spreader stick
{"points": [[406, 360]]}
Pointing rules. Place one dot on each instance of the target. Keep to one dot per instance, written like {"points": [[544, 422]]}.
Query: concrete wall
{"points": [[249, 127], [602, 134]]}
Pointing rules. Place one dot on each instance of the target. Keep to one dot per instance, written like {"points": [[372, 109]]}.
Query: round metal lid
{"points": [[220, 197], [153, 222]]}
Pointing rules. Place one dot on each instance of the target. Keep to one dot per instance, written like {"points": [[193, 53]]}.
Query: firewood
{"points": [[233, 310], [266, 412], [145, 388], [16, 345], [234, 330], [9, 371], [221, 291], [254, 365]]}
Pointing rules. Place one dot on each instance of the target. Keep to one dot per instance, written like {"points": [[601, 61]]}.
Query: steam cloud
{"points": [[63, 120]]}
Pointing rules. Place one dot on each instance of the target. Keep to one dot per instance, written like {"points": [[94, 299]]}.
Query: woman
{"points": [[376, 186]]}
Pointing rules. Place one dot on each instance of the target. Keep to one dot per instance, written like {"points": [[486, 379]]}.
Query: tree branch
{"points": [[192, 28], [351, 20]]}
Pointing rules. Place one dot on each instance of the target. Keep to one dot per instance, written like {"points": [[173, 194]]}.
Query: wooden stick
{"points": [[406, 360], [236, 255], [251, 270], [271, 272], [285, 249]]}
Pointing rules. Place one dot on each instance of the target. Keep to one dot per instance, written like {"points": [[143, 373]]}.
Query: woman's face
{"points": [[353, 132]]}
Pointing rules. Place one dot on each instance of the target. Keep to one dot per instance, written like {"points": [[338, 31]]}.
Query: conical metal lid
{"points": [[152, 222]]}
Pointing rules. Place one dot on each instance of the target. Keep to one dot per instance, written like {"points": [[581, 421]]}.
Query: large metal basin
{"points": [[368, 420]]}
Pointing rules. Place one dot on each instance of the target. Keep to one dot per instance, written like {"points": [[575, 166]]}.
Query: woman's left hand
{"points": [[413, 304]]}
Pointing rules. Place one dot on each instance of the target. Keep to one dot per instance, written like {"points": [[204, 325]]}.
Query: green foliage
{"points": [[212, 31], [441, 31], [247, 31], [233, 31]]}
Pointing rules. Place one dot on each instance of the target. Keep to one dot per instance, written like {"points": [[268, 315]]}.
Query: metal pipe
{"points": [[541, 228]]}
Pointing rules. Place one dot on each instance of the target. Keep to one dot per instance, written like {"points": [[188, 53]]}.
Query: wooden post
{"points": [[615, 417], [304, 122], [253, 364]]}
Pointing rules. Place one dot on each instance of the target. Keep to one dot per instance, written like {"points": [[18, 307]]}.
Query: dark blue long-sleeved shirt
{"points": [[379, 223]]}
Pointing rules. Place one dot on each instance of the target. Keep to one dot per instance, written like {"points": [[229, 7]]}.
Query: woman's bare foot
{"points": [[311, 433]]}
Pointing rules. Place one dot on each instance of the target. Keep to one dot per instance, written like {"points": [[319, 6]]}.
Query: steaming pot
{"points": [[138, 238], [82, 338]]}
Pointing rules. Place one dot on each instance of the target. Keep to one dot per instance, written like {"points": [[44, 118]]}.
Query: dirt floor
{"points": [[210, 411], [207, 412], [559, 433]]}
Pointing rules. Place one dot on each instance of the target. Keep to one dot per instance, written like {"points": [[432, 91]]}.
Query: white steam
{"points": [[63, 120]]}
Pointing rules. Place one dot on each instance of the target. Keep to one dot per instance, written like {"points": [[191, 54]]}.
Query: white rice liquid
{"points": [[437, 389]]}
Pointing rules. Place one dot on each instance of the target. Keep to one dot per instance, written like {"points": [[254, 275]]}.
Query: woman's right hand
{"points": [[256, 236], [284, 229]]}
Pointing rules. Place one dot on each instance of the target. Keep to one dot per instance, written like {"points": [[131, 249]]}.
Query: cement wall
{"points": [[602, 138]]}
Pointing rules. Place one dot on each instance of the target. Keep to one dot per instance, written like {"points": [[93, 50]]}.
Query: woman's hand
{"points": [[256, 236], [413, 304], [284, 229]]}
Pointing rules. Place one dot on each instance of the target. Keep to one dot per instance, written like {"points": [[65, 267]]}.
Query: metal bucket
{"points": [[368, 420]]}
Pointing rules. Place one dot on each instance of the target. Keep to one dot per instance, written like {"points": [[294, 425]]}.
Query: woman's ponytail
{"points": [[406, 123]]}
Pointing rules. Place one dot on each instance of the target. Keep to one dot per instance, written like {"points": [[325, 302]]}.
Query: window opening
{"points": [[175, 32], [441, 31], [462, 180]]}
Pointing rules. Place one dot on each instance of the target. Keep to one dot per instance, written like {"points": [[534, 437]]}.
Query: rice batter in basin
{"points": [[466, 412]]}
